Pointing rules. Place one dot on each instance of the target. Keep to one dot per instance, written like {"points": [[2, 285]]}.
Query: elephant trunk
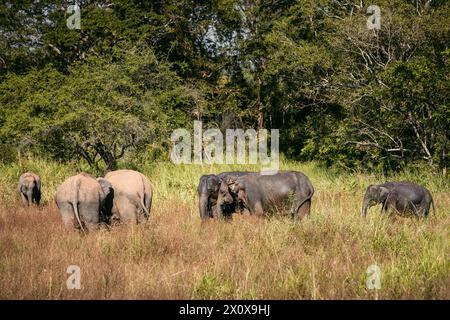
{"points": [[203, 206], [30, 196], [365, 205], [219, 208]]}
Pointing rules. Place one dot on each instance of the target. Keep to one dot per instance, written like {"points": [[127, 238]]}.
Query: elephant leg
{"points": [[396, 208], [24, 199], [220, 209], [91, 226], [384, 210], [89, 215], [418, 210], [126, 210], [258, 209], [422, 211], [149, 207], [67, 215], [129, 215], [405, 207], [37, 198], [69, 222], [425, 209], [30, 197], [304, 210], [142, 217], [214, 211]]}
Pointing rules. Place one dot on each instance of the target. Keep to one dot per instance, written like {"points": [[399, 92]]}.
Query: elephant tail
{"points": [[75, 204], [142, 199], [310, 189], [143, 205], [432, 205]]}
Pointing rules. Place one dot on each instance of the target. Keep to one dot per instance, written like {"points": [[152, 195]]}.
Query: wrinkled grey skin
{"points": [[132, 198], [29, 188], [80, 199], [402, 197], [208, 189], [262, 193]]}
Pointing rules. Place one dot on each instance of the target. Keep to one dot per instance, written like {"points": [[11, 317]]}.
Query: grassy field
{"points": [[175, 256]]}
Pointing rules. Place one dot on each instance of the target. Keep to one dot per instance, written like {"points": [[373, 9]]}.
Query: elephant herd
{"points": [[229, 192], [84, 202], [125, 196], [223, 194]]}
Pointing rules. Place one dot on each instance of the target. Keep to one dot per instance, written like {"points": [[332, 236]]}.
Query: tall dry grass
{"points": [[175, 256]]}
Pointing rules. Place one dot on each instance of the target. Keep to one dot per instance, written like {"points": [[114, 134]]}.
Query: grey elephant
{"points": [[208, 190], [402, 197], [133, 193], [29, 188], [285, 190], [80, 200]]}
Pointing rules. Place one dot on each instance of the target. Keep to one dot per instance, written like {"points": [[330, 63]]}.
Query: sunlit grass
{"points": [[176, 256]]}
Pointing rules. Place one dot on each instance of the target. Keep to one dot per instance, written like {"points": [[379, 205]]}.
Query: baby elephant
{"points": [[29, 188], [403, 197]]}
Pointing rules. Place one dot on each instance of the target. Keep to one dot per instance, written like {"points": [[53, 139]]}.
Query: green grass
{"points": [[325, 256]]}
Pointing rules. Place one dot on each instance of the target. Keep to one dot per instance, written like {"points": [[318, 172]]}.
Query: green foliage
{"points": [[339, 93], [100, 111]]}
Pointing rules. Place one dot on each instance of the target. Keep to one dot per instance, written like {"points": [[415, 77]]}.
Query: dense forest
{"points": [[341, 93]]}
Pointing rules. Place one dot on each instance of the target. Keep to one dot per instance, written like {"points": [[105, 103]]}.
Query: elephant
{"points": [[260, 193], [133, 193], [208, 189], [107, 204], [402, 197], [80, 200], [29, 188]]}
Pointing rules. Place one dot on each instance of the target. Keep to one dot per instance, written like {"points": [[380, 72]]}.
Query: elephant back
{"points": [[129, 182]]}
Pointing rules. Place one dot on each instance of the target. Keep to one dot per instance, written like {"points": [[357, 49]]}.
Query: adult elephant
{"points": [[133, 194], [285, 190], [29, 188], [80, 200], [403, 197], [208, 190]]}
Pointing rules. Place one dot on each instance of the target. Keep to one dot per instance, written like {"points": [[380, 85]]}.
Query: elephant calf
{"points": [[403, 197], [29, 188], [80, 200], [259, 193], [208, 188], [133, 192]]}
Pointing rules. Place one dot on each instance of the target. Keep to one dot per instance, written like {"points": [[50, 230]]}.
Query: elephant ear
{"points": [[384, 192], [106, 186], [201, 183], [373, 189], [213, 184]]}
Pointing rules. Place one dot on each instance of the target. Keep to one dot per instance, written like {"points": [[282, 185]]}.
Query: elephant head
{"points": [[374, 194], [30, 188], [225, 192], [208, 189], [106, 199], [231, 191]]}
